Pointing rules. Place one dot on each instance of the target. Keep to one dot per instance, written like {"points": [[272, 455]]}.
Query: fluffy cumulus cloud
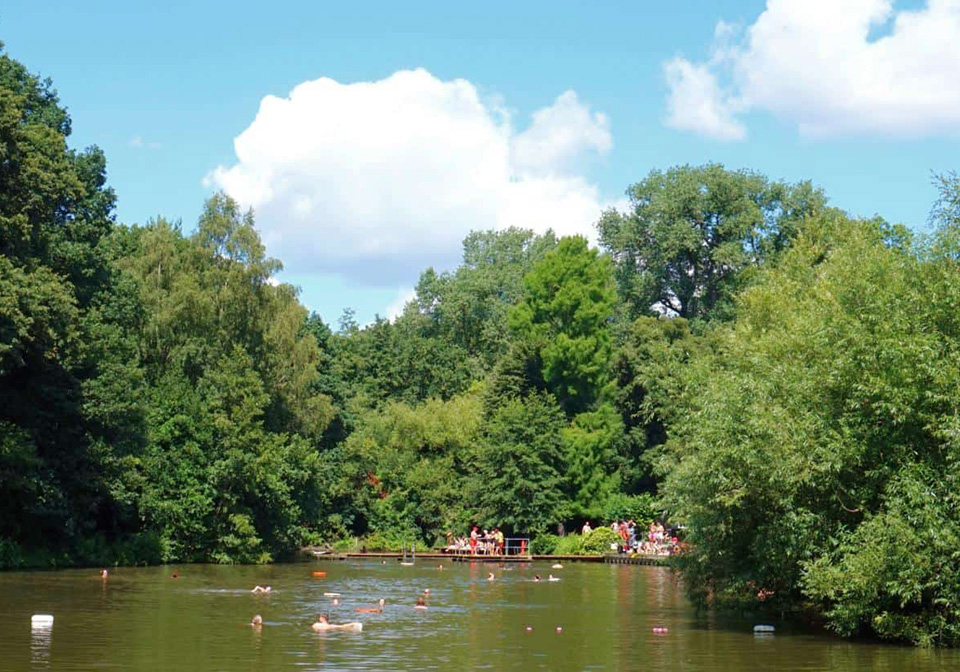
{"points": [[831, 68], [376, 180]]}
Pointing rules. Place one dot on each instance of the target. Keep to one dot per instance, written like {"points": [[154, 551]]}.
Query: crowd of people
{"points": [[657, 541], [487, 542]]}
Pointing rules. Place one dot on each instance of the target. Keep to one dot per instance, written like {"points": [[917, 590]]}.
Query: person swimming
{"points": [[257, 621], [536, 578], [336, 601], [421, 603], [491, 577], [361, 610], [440, 568], [103, 573], [553, 578], [323, 624], [261, 589]]}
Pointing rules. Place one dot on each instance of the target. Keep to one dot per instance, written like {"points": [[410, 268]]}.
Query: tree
{"points": [[692, 232], [567, 307], [516, 481], [405, 466], [809, 439]]}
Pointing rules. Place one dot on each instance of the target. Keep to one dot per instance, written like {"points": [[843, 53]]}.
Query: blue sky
{"points": [[165, 89]]}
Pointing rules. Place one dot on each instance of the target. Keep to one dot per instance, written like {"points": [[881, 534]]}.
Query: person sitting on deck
{"points": [[323, 624]]}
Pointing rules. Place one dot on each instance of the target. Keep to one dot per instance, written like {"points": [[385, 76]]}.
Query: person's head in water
{"points": [[421, 603], [257, 621], [103, 573], [536, 577], [323, 618]]}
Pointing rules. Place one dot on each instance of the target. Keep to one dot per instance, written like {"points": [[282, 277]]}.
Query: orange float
{"points": [[320, 575]]}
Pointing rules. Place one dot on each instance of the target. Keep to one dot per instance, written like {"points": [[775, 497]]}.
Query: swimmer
{"points": [[553, 578], [257, 621], [103, 573], [439, 568], [426, 591], [421, 603], [174, 575], [261, 589], [323, 624], [372, 611], [491, 577], [336, 601], [536, 578]]}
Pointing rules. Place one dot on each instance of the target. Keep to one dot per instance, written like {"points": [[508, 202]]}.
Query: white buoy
{"points": [[41, 620], [331, 594], [764, 628]]}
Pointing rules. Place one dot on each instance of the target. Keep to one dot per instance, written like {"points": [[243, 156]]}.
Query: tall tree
{"points": [[691, 232], [568, 304]]}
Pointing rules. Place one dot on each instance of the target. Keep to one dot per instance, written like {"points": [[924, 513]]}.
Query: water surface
{"points": [[144, 619]]}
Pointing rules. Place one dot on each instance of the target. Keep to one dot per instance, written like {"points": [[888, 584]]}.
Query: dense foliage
{"points": [[781, 379]]}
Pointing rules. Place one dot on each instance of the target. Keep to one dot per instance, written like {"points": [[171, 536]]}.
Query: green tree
{"points": [[569, 302], [516, 481], [809, 436], [692, 232]]}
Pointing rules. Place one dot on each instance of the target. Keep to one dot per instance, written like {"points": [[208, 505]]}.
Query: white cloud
{"points": [[138, 142], [696, 103], [818, 64], [560, 138], [404, 296], [377, 180]]}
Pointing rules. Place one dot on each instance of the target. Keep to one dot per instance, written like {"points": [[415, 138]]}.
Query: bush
{"points": [[598, 541], [545, 544], [393, 542]]}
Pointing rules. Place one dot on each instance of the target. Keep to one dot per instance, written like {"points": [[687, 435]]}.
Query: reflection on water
{"points": [[145, 619], [40, 638]]}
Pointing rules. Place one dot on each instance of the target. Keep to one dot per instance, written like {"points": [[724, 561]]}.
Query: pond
{"points": [[143, 618]]}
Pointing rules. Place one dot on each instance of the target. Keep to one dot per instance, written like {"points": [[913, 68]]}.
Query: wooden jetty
{"points": [[611, 559]]}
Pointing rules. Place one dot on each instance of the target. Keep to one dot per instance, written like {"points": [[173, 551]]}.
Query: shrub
{"points": [[598, 542], [394, 542], [551, 544], [545, 544]]}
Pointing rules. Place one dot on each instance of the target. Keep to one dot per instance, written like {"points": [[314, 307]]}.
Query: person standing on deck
{"points": [[473, 540]]}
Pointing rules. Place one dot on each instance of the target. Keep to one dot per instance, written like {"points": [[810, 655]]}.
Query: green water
{"points": [[146, 620]]}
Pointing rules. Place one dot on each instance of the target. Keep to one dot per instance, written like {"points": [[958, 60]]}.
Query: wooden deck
{"points": [[654, 560]]}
